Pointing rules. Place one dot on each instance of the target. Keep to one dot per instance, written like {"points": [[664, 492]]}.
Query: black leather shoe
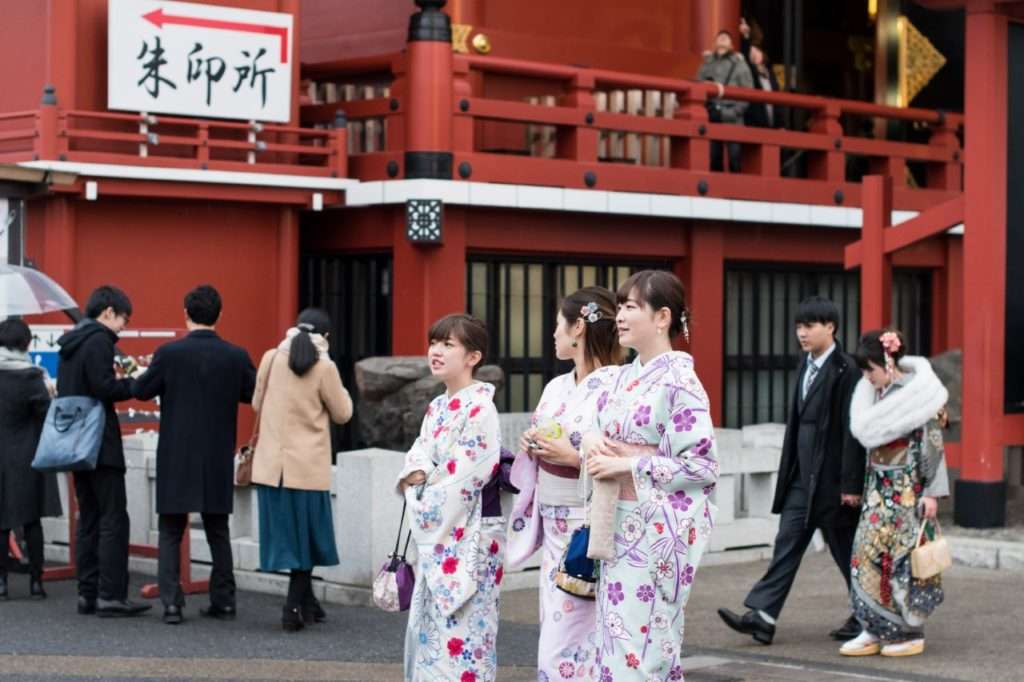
{"points": [[313, 612], [291, 619], [750, 623], [850, 629], [3, 587], [119, 608], [86, 606], [218, 612], [172, 615], [35, 587]]}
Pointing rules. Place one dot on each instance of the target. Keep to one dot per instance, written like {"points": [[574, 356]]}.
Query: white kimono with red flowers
{"points": [[453, 619]]}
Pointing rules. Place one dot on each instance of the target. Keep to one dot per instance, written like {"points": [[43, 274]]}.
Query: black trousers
{"points": [[34, 539], [218, 537], [101, 554], [735, 155], [769, 594]]}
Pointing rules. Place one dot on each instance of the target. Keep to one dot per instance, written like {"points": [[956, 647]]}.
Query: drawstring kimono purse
{"points": [[577, 573], [392, 588], [933, 557]]}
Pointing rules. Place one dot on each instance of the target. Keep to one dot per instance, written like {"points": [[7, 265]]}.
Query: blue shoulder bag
{"points": [[72, 435]]}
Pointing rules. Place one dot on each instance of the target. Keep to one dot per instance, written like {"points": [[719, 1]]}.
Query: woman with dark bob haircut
{"points": [[653, 455], [26, 495]]}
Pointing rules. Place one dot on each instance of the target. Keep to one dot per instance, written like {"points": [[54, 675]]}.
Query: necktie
{"points": [[812, 371]]}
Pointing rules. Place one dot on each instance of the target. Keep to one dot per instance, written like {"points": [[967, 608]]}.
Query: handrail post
{"points": [[947, 174], [339, 146], [828, 165], [692, 153], [46, 146], [579, 142], [203, 146]]}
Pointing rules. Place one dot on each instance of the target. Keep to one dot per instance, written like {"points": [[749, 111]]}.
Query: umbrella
{"points": [[24, 291]]}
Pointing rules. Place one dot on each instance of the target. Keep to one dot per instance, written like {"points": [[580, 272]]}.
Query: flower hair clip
{"points": [[590, 312], [891, 345]]}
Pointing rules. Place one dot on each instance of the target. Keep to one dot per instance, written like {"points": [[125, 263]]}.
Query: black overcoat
{"points": [[819, 446], [25, 494], [200, 380]]}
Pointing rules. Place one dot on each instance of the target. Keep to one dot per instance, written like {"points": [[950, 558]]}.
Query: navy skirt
{"points": [[296, 529]]}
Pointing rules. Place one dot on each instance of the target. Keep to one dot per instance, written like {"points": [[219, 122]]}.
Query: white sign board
{"points": [[199, 60]]}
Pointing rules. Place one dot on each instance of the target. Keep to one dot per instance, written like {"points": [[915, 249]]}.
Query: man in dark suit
{"points": [[821, 474], [87, 369], [200, 380]]}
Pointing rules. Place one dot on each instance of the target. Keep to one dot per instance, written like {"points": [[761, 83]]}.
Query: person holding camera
{"points": [[725, 67]]}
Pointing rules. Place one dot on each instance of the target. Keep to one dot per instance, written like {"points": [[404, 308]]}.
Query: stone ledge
{"points": [[990, 554]]}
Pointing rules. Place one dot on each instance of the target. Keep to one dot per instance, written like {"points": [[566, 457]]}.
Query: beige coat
{"points": [[294, 447]]}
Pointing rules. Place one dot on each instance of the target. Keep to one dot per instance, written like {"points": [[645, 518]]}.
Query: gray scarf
{"points": [[13, 360]]}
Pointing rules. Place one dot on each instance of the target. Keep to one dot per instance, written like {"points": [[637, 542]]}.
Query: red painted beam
{"points": [[933, 222]]}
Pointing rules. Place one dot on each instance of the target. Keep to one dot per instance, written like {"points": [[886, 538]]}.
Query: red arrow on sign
{"points": [[158, 19]]}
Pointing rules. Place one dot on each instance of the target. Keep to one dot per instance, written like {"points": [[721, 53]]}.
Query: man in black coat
{"points": [[87, 369], [821, 474], [200, 380]]}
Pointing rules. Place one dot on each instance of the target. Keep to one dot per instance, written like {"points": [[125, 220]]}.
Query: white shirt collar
{"points": [[819, 362]]}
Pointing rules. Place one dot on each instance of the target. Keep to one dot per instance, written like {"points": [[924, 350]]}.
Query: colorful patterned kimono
{"points": [[887, 600], [661, 536], [453, 620], [548, 509]]}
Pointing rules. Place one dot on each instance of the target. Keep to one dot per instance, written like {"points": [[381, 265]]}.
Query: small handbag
{"points": [[933, 557], [393, 586], [577, 573], [72, 435], [244, 455]]}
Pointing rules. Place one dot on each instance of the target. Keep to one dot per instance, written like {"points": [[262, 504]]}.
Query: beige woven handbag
{"points": [[932, 558]]}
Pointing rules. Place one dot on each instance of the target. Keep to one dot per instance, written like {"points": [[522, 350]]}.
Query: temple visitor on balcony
{"points": [[550, 508], [821, 473], [453, 618], [87, 369], [298, 394], [654, 459], [725, 67], [759, 114], [26, 495], [200, 380], [897, 413]]}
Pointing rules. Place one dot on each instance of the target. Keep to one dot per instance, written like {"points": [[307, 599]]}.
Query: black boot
{"points": [[298, 586], [312, 611], [35, 586], [291, 619]]}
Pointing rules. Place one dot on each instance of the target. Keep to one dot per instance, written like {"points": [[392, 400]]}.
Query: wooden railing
{"points": [[144, 139], [575, 127]]}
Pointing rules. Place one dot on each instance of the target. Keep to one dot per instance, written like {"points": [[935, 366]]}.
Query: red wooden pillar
{"points": [[876, 265], [705, 294], [429, 105], [429, 280], [980, 494], [287, 269]]}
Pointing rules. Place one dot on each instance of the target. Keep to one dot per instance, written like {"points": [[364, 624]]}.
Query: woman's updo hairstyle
{"points": [[303, 354], [596, 307], [871, 348], [658, 289]]}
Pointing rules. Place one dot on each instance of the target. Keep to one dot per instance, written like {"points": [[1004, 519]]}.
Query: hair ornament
{"points": [[590, 312], [305, 327], [684, 318], [891, 345]]}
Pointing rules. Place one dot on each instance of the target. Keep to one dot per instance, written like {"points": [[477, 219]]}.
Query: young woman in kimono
{"points": [[549, 506], [656, 438], [453, 619], [897, 413]]}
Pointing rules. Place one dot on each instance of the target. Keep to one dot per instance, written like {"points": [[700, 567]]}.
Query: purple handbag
{"points": [[393, 586]]}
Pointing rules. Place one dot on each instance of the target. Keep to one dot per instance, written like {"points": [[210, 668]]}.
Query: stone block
{"points": [[1011, 558], [974, 553], [743, 533], [764, 435], [759, 493], [726, 498], [379, 377], [246, 553], [513, 424]]}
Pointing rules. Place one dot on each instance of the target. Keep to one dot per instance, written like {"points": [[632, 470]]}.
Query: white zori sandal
{"points": [[912, 647], [864, 644]]}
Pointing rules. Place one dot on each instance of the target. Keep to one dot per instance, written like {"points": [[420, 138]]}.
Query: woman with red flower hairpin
{"points": [[455, 523], [897, 413]]}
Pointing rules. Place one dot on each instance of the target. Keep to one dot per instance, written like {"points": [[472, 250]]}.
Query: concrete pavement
{"points": [[973, 636]]}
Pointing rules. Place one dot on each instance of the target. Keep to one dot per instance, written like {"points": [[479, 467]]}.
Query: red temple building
{"points": [[491, 155]]}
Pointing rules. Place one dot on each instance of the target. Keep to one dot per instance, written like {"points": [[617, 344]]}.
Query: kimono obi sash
{"points": [[558, 470], [891, 454]]}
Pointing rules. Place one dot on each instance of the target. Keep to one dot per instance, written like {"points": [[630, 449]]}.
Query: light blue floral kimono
{"points": [[453, 618], [660, 537]]}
